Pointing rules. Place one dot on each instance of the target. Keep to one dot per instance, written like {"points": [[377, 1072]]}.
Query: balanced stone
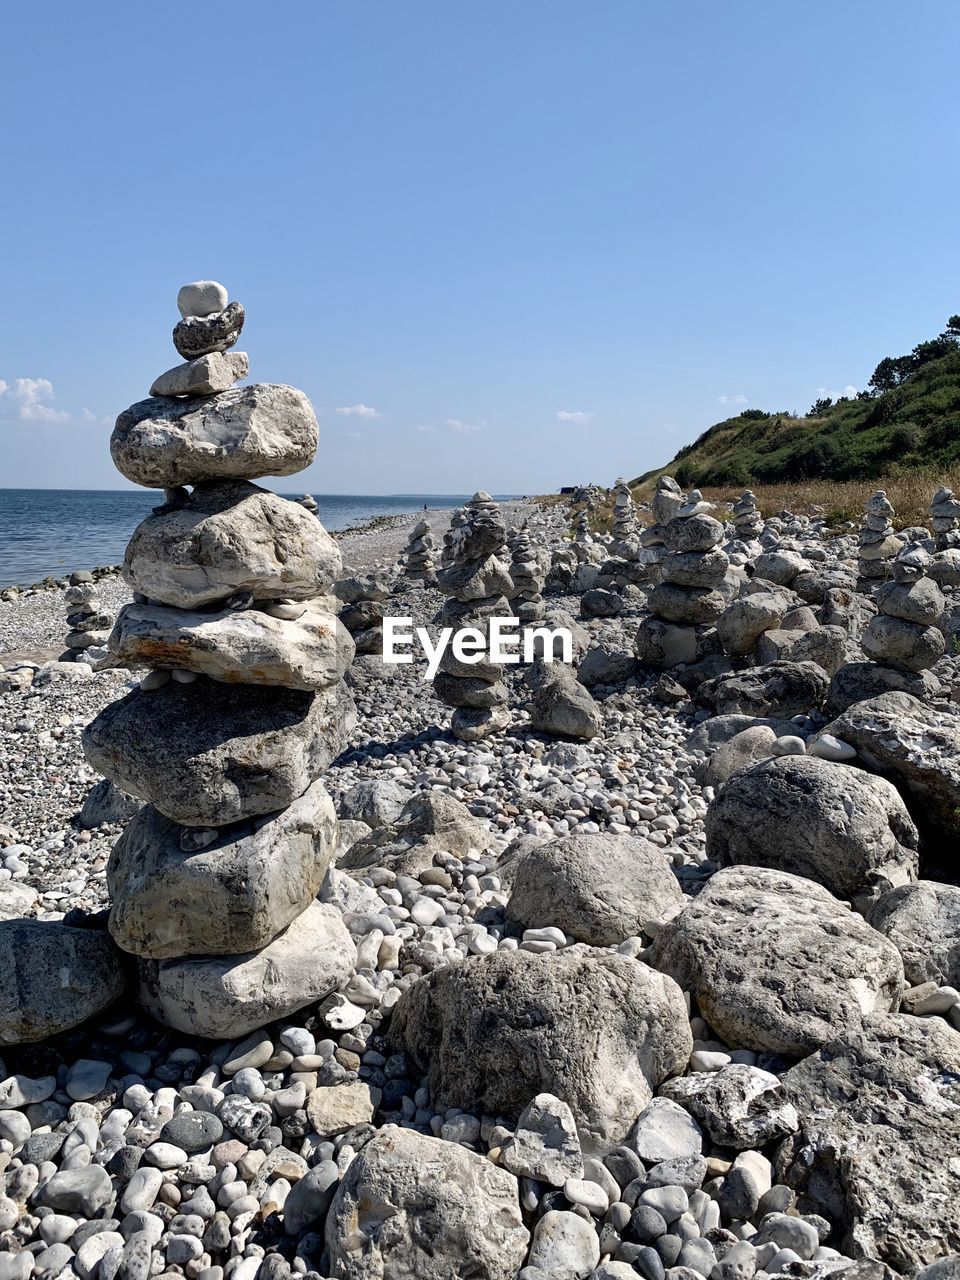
{"points": [[419, 553], [225, 997], [265, 429], [232, 896], [208, 754], [201, 298], [200, 335], [878, 544], [245, 646], [747, 519], [204, 376], [226, 538]]}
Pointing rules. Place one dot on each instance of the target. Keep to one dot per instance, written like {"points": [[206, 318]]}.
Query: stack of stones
{"points": [[747, 519], [457, 520], [419, 554], [583, 542], [363, 607], [309, 502], [904, 634], [214, 882], [686, 603], [88, 622], [625, 541], [667, 501], [878, 543], [945, 519], [477, 585], [526, 598]]}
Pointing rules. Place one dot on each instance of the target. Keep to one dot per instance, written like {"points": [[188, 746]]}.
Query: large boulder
{"points": [[266, 429], [598, 888], [430, 822], [231, 896], [747, 618], [918, 748], [739, 1106], [410, 1205], [606, 665], [831, 823], [561, 706], [860, 681], [776, 963], [599, 1030], [226, 538], [243, 646], [782, 690], [226, 997], [876, 1151], [903, 645], [744, 748], [663, 645], [207, 754], [922, 921], [54, 977]]}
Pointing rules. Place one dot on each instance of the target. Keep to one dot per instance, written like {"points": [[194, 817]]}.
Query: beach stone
{"points": [[562, 706], [411, 1205], [687, 606], [780, 690], [695, 568], [106, 803], [208, 754], [430, 822], [87, 1078], [917, 748], [598, 888], [339, 1107], [776, 963], [759, 742], [862, 681], [545, 1145], [309, 1199], [747, 618], [226, 538], [919, 602], [665, 1131], [54, 977], [227, 997], [374, 801], [922, 921], [876, 1150], [205, 376], [902, 644], [201, 298], [192, 1130], [473, 724], [606, 665], [218, 331], [230, 897], [564, 1244], [236, 646], [521, 1024], [699, 532], [831, 823], [264, 429], [82, 1191], [739, 1107]]}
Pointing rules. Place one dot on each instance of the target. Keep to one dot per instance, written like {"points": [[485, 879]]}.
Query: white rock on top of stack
{"points": [[877, 542], [476, 583], [244, 708]]}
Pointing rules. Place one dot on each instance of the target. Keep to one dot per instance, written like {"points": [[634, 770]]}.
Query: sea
{"points": [[52, 532]]}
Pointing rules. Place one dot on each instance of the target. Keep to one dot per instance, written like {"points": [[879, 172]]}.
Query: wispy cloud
{"points": [[740, 398], [466, 427], [358, 411], [826, 392], [578, 417], [28, 399], [422, 426]]}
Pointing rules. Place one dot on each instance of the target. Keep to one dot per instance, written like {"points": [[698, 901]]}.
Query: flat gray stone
{"points": [[205, 376]]}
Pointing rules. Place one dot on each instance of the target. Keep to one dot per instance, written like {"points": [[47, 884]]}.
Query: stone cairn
{"points": [[625, 542], [667, 501], [88, 622], [457, 520], [363, 607], [686, 603], [477, 585], [747, 519], [584, 545], [526, 598], [878, 543], [214, 882], [945, 519], [309, 503], [904, 634], [418, 563]]}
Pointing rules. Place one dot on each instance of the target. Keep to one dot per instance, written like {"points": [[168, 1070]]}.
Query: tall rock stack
{"points": [[945, 519], [477, 585], [309, 503], [213, 883], [667, 501], [363, 607], [88, 622], [878, 543], [747, 519], [904, 633], [626, 542], [686, 603], [526, 598], [450, 536], [419, 554]]}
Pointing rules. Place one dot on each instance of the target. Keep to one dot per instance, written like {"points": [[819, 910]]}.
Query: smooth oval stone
{"points": [[192, 1130]]}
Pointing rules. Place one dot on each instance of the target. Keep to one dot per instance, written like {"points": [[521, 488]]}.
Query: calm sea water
{"points": [[54, 531]]}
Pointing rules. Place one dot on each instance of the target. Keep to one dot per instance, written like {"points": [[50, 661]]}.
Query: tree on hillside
{"points": [[819, 406], [953, 327], [890, 372]]}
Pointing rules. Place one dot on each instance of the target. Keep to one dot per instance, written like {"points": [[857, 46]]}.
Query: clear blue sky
{"points": [[471, 219]]}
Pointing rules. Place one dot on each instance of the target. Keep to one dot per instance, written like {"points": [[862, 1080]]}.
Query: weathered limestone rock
{"points": [[600, 889], [208, 754], [54, 977], [561, 706], [527, 576], [600, 1030], [225, 997], [922, 921], [226, 538], [862, 681], [776, 963], [831, 823], [747, 618], [878, 543], [743, 749], [747, 519], [265, 429], [740, 1107], [430, 822], [204, 376], [237, 646], [876, 1151], [218, 331], [782, 690], [903, 645], [414, 1206], [232, 896]]}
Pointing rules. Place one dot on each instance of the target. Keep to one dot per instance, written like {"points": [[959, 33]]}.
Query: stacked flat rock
{"points": [[945, 519], [667, 501], [213, 883], [583, 542], [363, 607], [309, 503], [626, 542], [457, 520], [87, 621], [477, 584], [904, 633], [878, 543], [687, 602], [526, 598], [418, 563], [747, 519]]}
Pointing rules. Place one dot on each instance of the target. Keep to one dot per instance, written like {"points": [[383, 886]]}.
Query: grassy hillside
{"points": [[912, 428]]}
